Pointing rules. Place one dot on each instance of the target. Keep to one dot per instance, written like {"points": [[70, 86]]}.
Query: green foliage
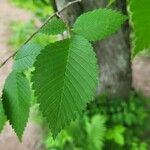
{"points": [[140, 17], [106, 125], [20, 32], [65, 75], [126, 127], [41, 8], [53, 27], [2, 116], [67, 80], [116, 134], [26, 56], [95, 132], [16, 101], [83, 134], [99, 24], [140, 146], [59, 143]]}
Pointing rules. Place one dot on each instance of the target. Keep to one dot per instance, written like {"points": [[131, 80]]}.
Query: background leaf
{"points": [[26, 56], [96, 131], [53, 27], [98, 24], [16, 100], [64, 80]]}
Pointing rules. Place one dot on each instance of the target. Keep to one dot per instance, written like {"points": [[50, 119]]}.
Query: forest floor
{"points": [[32, 136]]}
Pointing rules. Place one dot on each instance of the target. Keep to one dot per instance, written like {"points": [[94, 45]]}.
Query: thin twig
{"points": [[49, 18]]}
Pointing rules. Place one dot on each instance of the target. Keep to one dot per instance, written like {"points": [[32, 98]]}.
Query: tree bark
{"points": [[71, 13], [113, 53]]}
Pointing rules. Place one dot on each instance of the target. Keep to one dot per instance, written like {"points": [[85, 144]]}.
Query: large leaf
{"points": [[98, 24], [140, 15], [64, 80], [53, 27], [26, 56], [16, 100], [2, 116]]}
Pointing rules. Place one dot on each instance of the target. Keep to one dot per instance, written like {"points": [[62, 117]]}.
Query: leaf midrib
{"points": [[61, 97]]}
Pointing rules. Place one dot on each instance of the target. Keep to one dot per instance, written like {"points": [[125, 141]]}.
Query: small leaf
{"points": [[119, 139], [2, 116], [96, 131], [16, 100], [26, 56], [65, 79], [53, 27], [140, 16], [98, 24]]}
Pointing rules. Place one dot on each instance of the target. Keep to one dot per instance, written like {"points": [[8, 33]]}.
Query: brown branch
{"points": [[49, 18]]}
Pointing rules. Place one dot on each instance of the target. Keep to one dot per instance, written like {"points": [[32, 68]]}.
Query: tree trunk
{"points": [[113, 53]]}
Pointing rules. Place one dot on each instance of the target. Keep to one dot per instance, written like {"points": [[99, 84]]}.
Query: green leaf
{"points": [[119, 129], [119, 139], [44, 39], [26, 56], [2, 116], [116, 134], [65, 79], [140, 16], [16, 100], [53, 27], [96, 131], [98, 24]]}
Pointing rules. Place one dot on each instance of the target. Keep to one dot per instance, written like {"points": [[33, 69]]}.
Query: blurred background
{"points": [[110, 126]]}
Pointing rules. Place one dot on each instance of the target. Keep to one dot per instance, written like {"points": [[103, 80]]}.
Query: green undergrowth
{"points": [[37, 7], [106, 124], [21, 31]]}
